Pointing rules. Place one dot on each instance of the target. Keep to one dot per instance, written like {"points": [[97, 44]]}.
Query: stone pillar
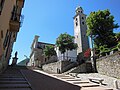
{"points": [[14, 61]]}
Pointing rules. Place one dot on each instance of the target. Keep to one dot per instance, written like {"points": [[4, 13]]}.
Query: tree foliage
{"points": [[65, 42], [100, 28], [117, 37], [49, 51]]}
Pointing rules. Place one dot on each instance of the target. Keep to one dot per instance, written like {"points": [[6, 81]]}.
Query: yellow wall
{"points": [[5, 18]]}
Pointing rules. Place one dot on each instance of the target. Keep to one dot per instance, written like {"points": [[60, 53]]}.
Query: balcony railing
{"points": [[16, 22]]}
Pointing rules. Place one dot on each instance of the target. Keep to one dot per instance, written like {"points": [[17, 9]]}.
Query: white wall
{"points": [[72, 55], [31, 61]]}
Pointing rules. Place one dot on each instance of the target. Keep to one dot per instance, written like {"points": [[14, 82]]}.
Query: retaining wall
{"points": [[58, 67], [109, 65]]}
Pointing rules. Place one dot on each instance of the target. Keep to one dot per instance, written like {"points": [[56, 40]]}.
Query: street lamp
{"points": [[25, 56]]}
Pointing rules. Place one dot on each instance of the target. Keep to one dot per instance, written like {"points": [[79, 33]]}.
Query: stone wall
{"points": [[83, 68], [3, 64], [52, 59], [52, 67], [109, 65], [59, 66]]}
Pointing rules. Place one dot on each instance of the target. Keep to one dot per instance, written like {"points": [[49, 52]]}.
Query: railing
{"points": [[65, 58]]}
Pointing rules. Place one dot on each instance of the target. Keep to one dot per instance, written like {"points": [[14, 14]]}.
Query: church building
{"points": [[80, 27]]}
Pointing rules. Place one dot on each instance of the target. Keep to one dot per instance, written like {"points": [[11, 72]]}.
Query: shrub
{"points": [[115, 49], [104, 50]]}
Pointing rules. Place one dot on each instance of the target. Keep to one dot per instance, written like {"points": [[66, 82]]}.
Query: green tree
{"points": [[49, 51], [118, 37], [65, 42], [100, 28]]}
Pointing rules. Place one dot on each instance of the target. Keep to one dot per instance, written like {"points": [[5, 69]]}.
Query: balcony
{"points": [[20, 3], [15, 22]]}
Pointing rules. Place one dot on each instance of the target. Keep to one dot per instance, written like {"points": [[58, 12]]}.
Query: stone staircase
{"points": [[85, 85], [13, 79]]}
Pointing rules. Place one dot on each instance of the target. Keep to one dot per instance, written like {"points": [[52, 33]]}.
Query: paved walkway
{"points": [[109, 81], [41, 81], [66, 82]]}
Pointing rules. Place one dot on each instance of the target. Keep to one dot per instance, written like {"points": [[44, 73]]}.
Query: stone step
{"points": [[67, 77], [10, 75], [15, 89], [12, 79], [76, 79], [87, 85], [12, 72], [96, 88], [60, 75], [14, 86], [13, 82], [79, 82]]}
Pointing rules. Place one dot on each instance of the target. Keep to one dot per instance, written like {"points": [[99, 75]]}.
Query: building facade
{"points": [[10, 22], [37, 57], [70, 55], [80, 28]]}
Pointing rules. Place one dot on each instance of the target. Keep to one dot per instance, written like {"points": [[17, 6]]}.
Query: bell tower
{"points": [[80, 28]]}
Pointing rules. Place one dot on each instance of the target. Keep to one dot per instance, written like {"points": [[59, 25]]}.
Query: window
{"points": [[2, 34], [83, 18], [44, 46], [14, 35], [83, 23], [1, 5], [45, 59], [78, 11], [8, 41], [13, 17], [5, 40], [81, 12], [76, 19], [76, 23]]}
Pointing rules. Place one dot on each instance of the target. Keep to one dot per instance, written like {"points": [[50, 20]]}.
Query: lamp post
{"points": [[27, 59], [26, 56]]}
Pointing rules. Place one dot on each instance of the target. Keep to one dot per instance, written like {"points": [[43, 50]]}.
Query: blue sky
{"points": [[50, 18]]}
